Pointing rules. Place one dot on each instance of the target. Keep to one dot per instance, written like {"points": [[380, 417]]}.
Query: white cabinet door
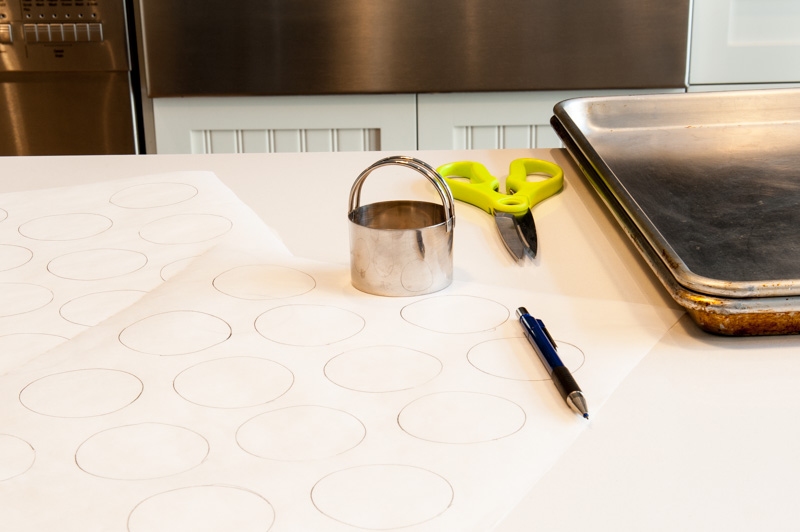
{"points": [[745, 41], [742, 87], [496, 120], [285, 123]]}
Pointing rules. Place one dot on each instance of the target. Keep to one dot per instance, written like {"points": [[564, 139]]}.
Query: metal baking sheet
{"points": [[708, 187]]}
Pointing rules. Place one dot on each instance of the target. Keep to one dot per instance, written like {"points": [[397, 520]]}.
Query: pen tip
{"points": [[586, 415]]}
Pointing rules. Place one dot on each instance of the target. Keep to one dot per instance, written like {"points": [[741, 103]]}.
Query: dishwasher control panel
{"points": [[63, 36]]}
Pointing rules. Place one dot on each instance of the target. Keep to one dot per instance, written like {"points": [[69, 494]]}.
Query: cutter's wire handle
{"points": [[420, 166]]}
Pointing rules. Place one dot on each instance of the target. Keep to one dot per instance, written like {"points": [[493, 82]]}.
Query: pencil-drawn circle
{"points": [[360, 256], [308, 325], [382, 496], [382, 368], [185, 229], [383, 256], [416, 276], [91, 309], [19, 298], [96, 264], [305, 432], [174, 268], [455, 314], [16, 456], [3, 214], [176, 332], [235, 382], [461, 417], [13, 257], [514, 358], [141, 451], [203, 509], [150, 195], [263, 281], [81, 393], [63, 227], [16, 349]]}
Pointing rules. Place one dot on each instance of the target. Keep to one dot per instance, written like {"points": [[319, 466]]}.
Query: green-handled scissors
{"points": [[472, 183]]}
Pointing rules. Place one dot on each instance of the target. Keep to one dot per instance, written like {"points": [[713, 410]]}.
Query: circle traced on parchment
{"points": [[91, 309], [461, 417], [185, 229], [514, 358], [174, 268], [455, 314], [203, 509], [13, 256], [64, 227], [19, 298], [149, 195], [416, 276], [296, 433], [382, 368], [18, 348], [234, 382], [142, 451], [96, 264], [16, 456], [3, 214], [308, 325], [176, 332], [360, 256], [263, 281], [81, 393], [382, 496]]}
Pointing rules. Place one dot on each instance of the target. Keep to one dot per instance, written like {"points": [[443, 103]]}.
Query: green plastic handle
{"points": [[472, 183], [534, 191]]}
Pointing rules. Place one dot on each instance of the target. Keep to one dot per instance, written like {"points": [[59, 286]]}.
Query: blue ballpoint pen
{"points": [[545, 347]]}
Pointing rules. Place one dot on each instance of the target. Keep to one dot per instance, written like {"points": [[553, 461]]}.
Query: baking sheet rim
{"points": [[739, 316], [679, 270]]}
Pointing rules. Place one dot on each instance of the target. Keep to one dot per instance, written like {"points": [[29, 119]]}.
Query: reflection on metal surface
{"points": [[393, 46], [705, 185], [66, 36], [65, 86], [14, 130], [66, 114], [401, 247]]}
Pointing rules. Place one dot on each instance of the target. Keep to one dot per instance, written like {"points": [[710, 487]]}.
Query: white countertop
{"points": [[699, 436]]}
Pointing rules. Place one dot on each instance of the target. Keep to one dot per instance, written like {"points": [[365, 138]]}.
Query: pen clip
{"points": [[547, 333]]}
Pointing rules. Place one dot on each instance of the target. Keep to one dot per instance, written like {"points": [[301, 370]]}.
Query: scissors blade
{"points": [[527, 231], [508, 227]]}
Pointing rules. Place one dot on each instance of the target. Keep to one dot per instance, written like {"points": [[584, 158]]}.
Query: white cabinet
{"points": [[498, 120], [447, 121], [475, 120], [745, 41], [285, 123], [742, 87]]}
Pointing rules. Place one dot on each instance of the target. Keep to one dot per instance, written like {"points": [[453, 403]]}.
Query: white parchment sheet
{"points": [[252, 390], [71, 257]]}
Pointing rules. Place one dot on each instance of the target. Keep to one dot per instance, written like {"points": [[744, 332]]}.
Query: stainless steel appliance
{"points": [[253, 47], [67, 86]]}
